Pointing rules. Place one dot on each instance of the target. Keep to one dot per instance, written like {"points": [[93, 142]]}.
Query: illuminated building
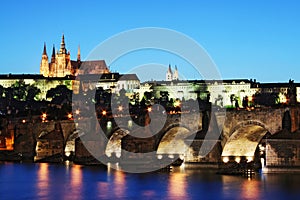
{"points": [[61, 65], [223, 93]]}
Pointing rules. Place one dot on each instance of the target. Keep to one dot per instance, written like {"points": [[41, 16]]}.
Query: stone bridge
{"points": [[234, 133], [197, 137]]}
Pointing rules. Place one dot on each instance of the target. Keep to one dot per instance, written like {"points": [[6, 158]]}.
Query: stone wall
{"points": [[282, 153], [193, 155], [295, 118]]}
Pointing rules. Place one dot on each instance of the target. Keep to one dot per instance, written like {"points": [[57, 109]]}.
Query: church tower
{"points": [[175, 75], [169, 74], [52, 64], [62, 49], [78, 54], [44, 66], [62, 65], [53, 55]]}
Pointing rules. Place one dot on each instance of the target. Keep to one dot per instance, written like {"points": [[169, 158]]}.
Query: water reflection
{"points": [[49, 181], [43, 180], [103, 190], [119, 183], [250, 189], [76, 182], [177, 185], [242, 187]]}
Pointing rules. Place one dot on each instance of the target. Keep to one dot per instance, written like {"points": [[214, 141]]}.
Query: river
{"points": [[57, 181]]}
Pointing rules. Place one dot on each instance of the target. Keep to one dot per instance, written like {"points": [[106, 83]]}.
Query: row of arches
{"points": [[243, 141]]}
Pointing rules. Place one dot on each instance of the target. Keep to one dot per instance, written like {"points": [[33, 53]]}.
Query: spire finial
{"points": [[62, 45], [44, 51], [53, 55], [53, 51], [78, 54], [170, 70]]}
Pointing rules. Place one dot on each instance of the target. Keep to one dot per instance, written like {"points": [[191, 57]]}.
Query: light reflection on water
{"points": [[75, 182], [119, 184], [50, 181], [42, 183], [177, 186], [246, 189]]}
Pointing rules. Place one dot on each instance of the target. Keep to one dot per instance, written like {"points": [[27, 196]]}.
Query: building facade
{"points": [[225, 93]]}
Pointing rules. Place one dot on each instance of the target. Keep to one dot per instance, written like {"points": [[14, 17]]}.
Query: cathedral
{"points": [[172, 76], [61, 65]]}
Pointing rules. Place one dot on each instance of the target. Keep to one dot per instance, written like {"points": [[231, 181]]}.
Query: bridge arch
{"points": [[173, 140], [244, 139], [69, 148], [113, 146]]}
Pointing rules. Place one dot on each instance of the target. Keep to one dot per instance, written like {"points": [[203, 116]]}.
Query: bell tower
{"points": [[175, 75], [63, 62], [78, 54], [44, 66], [169, 74]]}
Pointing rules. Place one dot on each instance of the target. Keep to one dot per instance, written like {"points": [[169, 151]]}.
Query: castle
{"points": [[61, 64]]}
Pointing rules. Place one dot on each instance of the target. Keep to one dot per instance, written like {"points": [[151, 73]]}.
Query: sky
{"points": [[245, 39]]}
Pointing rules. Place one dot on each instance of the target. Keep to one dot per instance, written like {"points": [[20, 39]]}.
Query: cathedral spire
{"points": [[44, 66], [169, 74], [53, 54], [62, 45], [170, 70], [44, 51], [78, 54], [53, 51], [175, 74]]}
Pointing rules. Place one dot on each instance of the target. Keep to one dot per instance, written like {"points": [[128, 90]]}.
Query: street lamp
{"points": [[149, 109], [44, 116], [70, 116], [77, 111], [120, 108], [226, 159]]}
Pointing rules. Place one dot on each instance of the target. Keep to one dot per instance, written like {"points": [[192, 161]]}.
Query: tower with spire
{"points": [[170, 75], [60, 64], [175, 74], [53, 55], [78, 54], [44, 66]]}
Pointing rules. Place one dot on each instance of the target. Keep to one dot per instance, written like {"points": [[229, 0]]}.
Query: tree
{"points": [[32, 92], [2, 91], [266, 99], [60, 90], [60, 95], [19, 90], [245, 102]]}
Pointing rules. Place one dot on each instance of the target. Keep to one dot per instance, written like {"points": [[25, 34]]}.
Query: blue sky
{"points": [[246, 39]]}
